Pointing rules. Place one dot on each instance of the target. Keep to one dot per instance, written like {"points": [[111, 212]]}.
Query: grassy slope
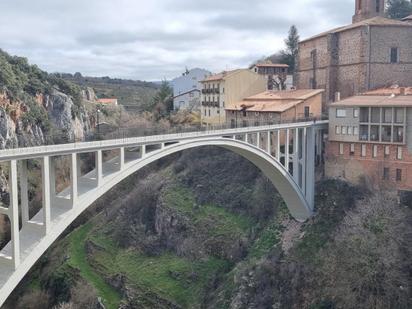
{"points": [[176, 279]]}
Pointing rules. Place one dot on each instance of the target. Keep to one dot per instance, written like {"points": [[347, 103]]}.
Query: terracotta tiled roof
{"points": [[391, 90], [272, 65], [219, 76], [375, 21], [390, 97], [107, 101], [274, 101]]}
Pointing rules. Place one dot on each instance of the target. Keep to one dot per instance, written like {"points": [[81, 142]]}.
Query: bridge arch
{"points": [[32, 240]]}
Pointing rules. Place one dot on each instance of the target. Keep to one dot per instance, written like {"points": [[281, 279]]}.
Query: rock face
{"points": [[60, 109]]}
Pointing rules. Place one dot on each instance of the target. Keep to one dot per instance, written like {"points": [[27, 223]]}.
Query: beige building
{"points": [[371, 52], [370, 138], [225, 89], [272, 107]]}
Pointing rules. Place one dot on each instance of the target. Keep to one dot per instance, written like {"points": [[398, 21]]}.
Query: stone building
{"points": [[225, 89], [370, 53], [370, 138], [271, 107]]}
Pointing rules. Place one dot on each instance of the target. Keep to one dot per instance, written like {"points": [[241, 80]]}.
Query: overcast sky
{"points": [[154, 39]]}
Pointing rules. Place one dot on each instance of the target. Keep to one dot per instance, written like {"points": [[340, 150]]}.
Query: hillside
{"points": [[130, 93], [205, 229], [37, 107]]}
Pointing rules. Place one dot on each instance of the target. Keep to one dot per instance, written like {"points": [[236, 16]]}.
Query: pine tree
{"points": [[399, 9], [292, 45]]}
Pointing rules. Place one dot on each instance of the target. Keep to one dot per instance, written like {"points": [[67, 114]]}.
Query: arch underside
{"points": [[34, 243]]}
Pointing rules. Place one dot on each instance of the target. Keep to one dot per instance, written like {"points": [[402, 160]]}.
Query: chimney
{"points": [[402, 91], [337, 96]]}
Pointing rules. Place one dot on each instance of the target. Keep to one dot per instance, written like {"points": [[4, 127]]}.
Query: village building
{"points": [[372, 52], [108, 101], [370, 138], [276, 74], [272, 107], [226, 88], [187, 88]]}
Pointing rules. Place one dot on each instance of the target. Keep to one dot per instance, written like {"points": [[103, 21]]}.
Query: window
{"points": [[375, 115], [205, 112], [399, 153], [375, 151], [209, 112], [398, 174], [386, 173], [387, 115], [378, 6], [350, 132], [341, 148], [355, 130], [244, 113], [352, 149], [398, 134], [337, 130], [399, 115], [394, 55], [387, 151], [374, 133], [232, 123], [244, 123], [340, 113], [355, 113], [307, 111], [386, 133], [363, 150], [364, 114], [218, 111]]}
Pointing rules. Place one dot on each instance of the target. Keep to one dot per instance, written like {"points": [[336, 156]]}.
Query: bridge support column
{"points": [[310, 166], [143, 150], [14, 213], [46, 193], [296, 156], [24, 196], [99, 167], [268, 144], [121, 157], [246, 138], [304, 156], [52, 173], [278, 145], [74, 179], [287, 150]]}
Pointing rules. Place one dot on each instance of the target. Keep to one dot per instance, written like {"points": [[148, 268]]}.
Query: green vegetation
{"points": [[399, 9], [217, 220], [78, 259]]}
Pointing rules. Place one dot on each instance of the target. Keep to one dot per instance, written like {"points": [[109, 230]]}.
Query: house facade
{"points": [[186, 89], [371, 52], [272, 107], [226, 88], [370, 138], [276, 74]]}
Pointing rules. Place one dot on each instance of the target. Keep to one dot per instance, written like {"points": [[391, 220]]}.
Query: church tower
{"points": [[365, 9]]}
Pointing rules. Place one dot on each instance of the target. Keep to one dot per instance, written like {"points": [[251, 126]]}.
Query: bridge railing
{"points": [[62, 137]]}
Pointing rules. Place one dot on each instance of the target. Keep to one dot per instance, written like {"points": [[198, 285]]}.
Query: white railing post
{"points": [[310, 167], [14, 213], [74, 179], [268, 143], [46, 193], [24, 196], [143, 150], [258, 139]]}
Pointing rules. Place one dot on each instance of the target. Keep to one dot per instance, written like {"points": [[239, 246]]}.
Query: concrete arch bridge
{"points": [[285, 153]]}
